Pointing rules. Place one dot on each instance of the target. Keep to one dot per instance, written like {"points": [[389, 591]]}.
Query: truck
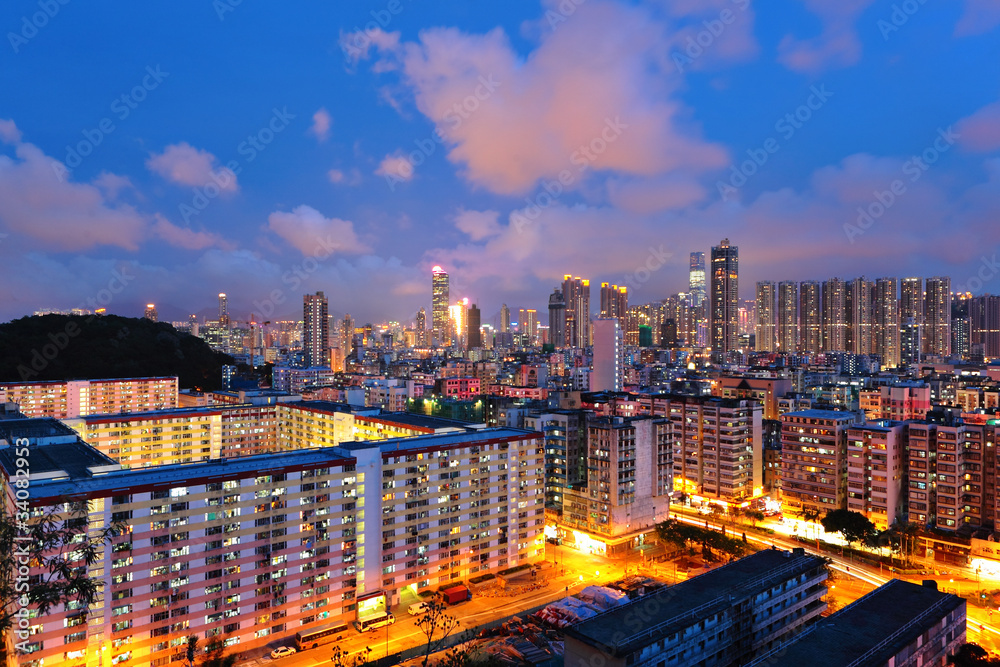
{"points": [[456, 594]]}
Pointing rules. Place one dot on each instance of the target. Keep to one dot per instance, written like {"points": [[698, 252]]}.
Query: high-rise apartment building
{"points": [[909, 342], [810, 318], [614, 301], [576, 292], [421, 326], [66, 399], [696, 280], [937, 317], [557, 319], [787, 338], [876, 464], [984, 326], [608, 355], [565, 450], [834, 316], [224, 311], [527, 325], [725, 299], [315, 329], [859, 332], [885, 321], [474, 334], [505, 318], [150, 313], [766, 328], [911, 300], [814, 459], [439, 308]]}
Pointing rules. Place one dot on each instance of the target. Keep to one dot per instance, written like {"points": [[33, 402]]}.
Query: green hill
{"points": [[70, 347]]}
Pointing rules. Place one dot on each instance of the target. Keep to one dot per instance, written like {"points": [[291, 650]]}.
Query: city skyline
{"points": [[391, 179]]}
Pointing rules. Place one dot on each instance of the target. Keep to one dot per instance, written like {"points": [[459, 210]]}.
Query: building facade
{"points": [[66, 399]]}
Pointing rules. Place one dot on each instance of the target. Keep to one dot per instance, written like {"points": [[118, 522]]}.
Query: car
{"points": [[417, 608], [282, 651]]}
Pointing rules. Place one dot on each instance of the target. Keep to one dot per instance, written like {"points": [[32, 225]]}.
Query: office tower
{"points": [[223, 311], [909, 342], [439, 307], [858, 296], [788, 317], [315, 329], [876, 464], [504, 319], [696, 280], [608, 355], [814, 459], [150, 313], [810, 318], [885, 321], [421, 327], [937, 317], [474, 335], [834, 316], [458, 318], [984, 326], [576, 291], [557, 319], [717, 618], [614, 300], [724, 299], [766, 326]]}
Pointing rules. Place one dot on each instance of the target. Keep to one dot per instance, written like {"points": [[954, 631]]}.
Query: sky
{"points": [[168, 151]]}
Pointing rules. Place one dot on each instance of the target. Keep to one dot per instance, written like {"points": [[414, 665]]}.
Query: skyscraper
{"points": [[984, 326], [439, 307], [766, 326], [557, 319], [909, 342], [725, 299], [504, 319], [614, 301], [858, 297], [608, 355], [530, 325], [347, 334], [788, 317], [223, 310], [150, 313], [885, 321], [474, 334], [810, 318], [937, 317], [421, 338], [315, 329], [576, 291], [834, 316], [696, 280]]}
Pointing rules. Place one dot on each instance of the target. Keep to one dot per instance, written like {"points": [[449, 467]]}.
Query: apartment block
{"points": [[876, 460], [814, 459], [723, 617], [899, 624], [66, 399], [565, 433], [899, 402], [628, 487]]}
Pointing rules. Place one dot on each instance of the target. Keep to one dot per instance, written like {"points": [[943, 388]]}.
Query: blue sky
{"points": [[386, 137]]}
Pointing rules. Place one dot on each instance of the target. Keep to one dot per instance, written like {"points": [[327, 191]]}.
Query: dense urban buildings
{"points": [[814, 459], [73, 398]]}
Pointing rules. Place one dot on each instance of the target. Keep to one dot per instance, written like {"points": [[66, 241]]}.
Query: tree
{"points": [[340, 657], [192, 649], [972, 655], [435, 621], [216, 657], [60, 550], [755, 516], [854, 526]]}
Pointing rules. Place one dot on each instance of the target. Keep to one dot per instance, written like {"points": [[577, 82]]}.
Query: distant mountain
{"points": [[76, 347]]}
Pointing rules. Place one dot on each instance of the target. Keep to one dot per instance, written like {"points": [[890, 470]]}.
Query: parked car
{"points": [[282, 651]]}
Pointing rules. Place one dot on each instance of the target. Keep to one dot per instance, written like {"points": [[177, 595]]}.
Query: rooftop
{"points": [[74, 458], [35, 429], [833, 415], [332, 407], [440, 440], [682, 605], [869, 631], [421, 421]]}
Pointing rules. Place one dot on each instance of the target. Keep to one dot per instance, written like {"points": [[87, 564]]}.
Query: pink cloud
{"points": [[186, 165], [979, 17], [478, 225], [980, 132], [309, 232], [8, 132], [321, 124], [181, 237], [395, 168], [838, 45]]}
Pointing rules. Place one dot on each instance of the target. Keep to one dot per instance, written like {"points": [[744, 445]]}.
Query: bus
{"points": [[375, 622], [323, 634]]}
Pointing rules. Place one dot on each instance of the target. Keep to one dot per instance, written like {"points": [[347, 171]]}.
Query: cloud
{"points": [[587, 99], [980, 132], [340, 177], [321, 124], [357, 45], [8, 132], [838, 45], [186, 165], [395, 168], [182, 237], [112, 184], [478, 225], [979, 17], [309, 232]]}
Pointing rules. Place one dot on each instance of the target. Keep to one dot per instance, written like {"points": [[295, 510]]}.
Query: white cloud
{"points": [[186, 165], [311, 233], [478, 225], [395, 168], [321, 124]]}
